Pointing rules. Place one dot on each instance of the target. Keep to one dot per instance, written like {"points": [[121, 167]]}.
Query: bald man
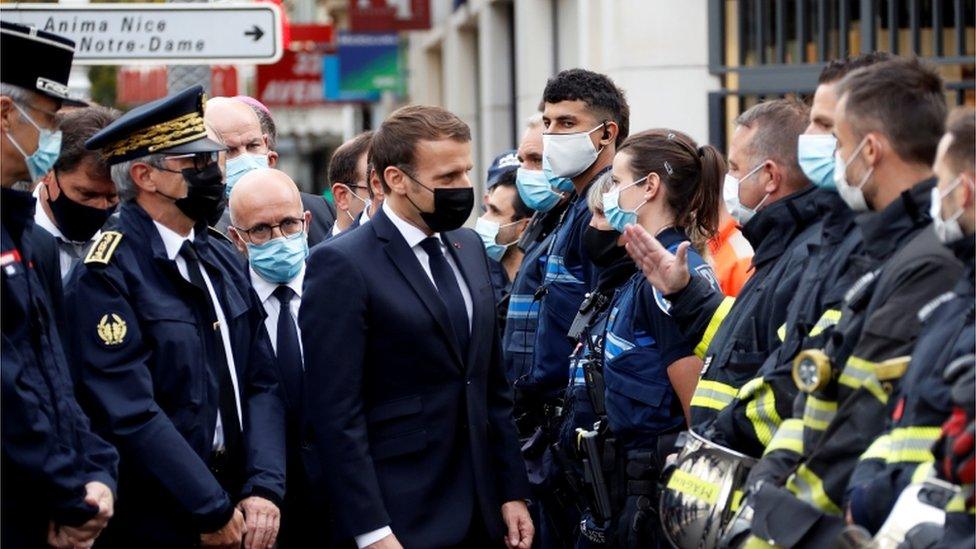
{"points": [[248, 149], [269, 226]]}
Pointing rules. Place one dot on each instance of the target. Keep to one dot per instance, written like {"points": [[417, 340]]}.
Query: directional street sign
{"points": [[172, 34]]}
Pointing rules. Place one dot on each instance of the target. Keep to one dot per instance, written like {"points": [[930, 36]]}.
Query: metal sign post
{"points": [[172, 34]]}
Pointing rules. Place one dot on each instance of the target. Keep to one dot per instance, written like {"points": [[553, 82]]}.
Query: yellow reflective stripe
{"points": [[713, 324], [859, 373], [957, 504], [736, 500], [817, 414], [913, 444], [830, 318], [713, 394], [689, 484], [807, 486], [761, 409], [879, 449], [789, 436], [752, 542], [781, 332], [923, 471]]}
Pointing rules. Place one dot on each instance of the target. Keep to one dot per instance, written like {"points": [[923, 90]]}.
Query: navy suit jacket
{"points": [[403, 430]]}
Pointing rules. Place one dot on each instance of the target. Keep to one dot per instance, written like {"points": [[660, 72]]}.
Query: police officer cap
{"points": [[36, 61], [505, 162], [171, 125]]}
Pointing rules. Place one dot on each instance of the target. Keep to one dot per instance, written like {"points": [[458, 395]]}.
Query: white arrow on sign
{"points": [[172, 34]]}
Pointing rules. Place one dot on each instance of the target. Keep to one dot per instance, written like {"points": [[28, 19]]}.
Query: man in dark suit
{"points": [[407, 410], [172, 354], [248, 148]]}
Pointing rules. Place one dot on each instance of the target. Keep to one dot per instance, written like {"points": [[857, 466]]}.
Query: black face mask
{"points": [[602, 246], [205, 198], [77, 222], [451, 207]]}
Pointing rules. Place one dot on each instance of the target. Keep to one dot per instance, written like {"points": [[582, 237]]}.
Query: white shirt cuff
{"points": [[369, 538]]}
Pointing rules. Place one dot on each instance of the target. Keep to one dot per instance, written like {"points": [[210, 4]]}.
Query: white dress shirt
{"points": [[173, 243], [70, 253], [272, 306], [414, 236]]}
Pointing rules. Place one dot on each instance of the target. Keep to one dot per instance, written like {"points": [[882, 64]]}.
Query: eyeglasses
{"points": [[262, 232], [200, 161]]}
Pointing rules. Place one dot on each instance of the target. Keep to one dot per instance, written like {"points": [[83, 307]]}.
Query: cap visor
{"points": [[202, 145]]}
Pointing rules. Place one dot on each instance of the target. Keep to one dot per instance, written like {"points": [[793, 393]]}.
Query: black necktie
{"points": [[289, 353], [449, 290], [227, 404]]}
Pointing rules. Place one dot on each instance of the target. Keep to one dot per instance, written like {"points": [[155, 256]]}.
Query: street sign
{"points": [[172, 34]]}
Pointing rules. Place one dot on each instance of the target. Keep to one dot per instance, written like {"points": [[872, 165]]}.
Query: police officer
{"points": [[886, 169], [175, 364], [583, 401], [58, 477], [501, 225], [670, 186], [549, 200], [766, 191], [901, 455]]}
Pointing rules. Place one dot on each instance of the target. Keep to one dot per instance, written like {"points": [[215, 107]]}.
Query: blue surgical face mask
{"points": [[535, 190], [48, 148], [488, 231], [816, 156], [617, 217], [279, 260], [563, 184], [240, 165]]}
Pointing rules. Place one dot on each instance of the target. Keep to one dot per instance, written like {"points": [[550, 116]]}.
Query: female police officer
{"points": [[670, 186]]}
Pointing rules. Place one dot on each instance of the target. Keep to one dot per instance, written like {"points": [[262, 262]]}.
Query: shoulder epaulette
{"points": [[102, 251]]}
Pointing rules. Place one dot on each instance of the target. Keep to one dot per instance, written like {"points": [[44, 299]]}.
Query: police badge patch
{"points": [[111, 330]]}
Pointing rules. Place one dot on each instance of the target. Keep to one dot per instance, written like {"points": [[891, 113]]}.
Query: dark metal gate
{"points": [[772, 48]]}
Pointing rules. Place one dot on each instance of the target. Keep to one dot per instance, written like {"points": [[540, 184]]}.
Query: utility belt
{"points": [[612, 474]]}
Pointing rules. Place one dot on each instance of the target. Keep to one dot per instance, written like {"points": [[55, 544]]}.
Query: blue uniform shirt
{"points": [[523, 311], [569, 274], [642, 341]]}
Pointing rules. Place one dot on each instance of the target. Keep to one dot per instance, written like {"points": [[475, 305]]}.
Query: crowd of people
{"points": [[643, 342]]}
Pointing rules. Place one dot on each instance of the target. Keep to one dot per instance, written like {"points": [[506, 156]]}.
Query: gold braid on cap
{"points": [[184, 129]]}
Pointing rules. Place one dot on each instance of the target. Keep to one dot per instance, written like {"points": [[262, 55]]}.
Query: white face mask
{"points": [[570, 154], [853, 196], [947, 230], [730, 194]]}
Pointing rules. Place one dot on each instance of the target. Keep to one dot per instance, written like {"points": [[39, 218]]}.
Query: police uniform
{"points": [[568, 275], [583, 403], [641, 405], [174, 360], [869, 347], [735, 336], [49, 450], [902, 454], [522, 317]]}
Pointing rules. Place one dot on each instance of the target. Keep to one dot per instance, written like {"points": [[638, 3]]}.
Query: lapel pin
{"points": [[457, 245]]}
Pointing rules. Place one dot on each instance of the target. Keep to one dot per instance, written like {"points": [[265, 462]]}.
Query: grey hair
{"points": [[594, 197], [122, 175], [780, 123], [16, 93], [534, 121]]}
